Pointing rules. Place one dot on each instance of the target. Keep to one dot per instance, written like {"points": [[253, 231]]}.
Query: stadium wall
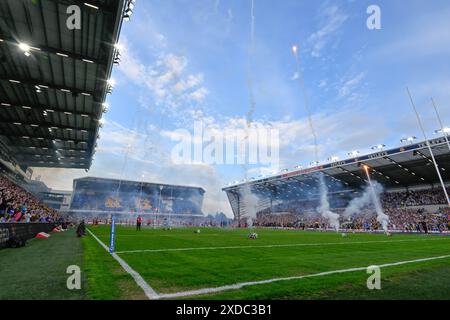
{"points": [[21, 231]]}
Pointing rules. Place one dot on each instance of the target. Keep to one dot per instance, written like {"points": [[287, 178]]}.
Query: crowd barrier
{"points": [[11, 233]]}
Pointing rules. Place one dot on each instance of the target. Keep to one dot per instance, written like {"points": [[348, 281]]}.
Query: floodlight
{"points": [[379, 147]]}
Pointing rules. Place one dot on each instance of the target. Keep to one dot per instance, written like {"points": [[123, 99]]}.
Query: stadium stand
{"points": [[412, 195], [405, 215], [20, 206], [105, 196]]}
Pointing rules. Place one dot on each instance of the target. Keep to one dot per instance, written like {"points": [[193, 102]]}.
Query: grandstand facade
{"points": [[97, 196], [402, 171]]}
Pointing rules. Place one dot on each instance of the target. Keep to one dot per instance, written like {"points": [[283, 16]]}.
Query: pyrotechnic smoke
{"points": [[324, 208], [366, 199], [251, 205], [382, 218]]}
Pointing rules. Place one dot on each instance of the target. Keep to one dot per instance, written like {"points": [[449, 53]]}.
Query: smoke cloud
{"points": [[370, 196], [324, 208], [251, 205]]}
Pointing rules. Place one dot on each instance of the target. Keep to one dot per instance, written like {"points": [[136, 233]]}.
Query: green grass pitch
{"points": [[180, 260], [218, 257]]}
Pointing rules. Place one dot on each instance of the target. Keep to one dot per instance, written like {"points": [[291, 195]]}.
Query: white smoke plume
{"points": [[251, 205], [324, 209], [382, 218], [358, 204], [370, 196]]}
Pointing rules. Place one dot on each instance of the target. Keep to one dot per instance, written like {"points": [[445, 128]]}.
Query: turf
{"points": [[38, 271], [106, 280], [173, 271]]}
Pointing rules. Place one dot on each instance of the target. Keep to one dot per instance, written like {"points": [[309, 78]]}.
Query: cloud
{"points": [[349, 86], [199, 94], [168, 79], [323, 83], [331, 20]]}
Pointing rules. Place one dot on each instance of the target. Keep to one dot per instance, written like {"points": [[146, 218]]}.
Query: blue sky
{"points": [[189, 60]]}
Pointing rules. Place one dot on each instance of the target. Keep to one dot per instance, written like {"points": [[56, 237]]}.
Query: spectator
{"points": [[19, 206]]}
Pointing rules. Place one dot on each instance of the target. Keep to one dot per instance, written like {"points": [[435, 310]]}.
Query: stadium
{"points": [[98, 197], [407, 175], [93, 208]]}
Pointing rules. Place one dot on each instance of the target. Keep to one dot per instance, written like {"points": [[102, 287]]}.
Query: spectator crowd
{"points": [[19, 206], [406, 211]]}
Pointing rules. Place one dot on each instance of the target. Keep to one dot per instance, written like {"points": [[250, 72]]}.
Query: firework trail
{"points": [[306, 102], [252, 108], [324, 207], [250, 199]]}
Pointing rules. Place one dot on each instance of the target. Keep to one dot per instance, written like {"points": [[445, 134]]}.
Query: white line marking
{"points": [[253, 283], [149, 292], [277, 245]]}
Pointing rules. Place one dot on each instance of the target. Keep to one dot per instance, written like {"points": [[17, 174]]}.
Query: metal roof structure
{"points": [[54, 80], [398, 168]]}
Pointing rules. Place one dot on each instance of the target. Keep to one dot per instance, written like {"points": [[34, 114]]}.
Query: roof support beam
{"points": [[46, 86], [47, 148], [409, 170], [46, 137], [45, 126], [48, 109], [353, 175], [335, 179], [40, 49], [83, 6], [56, 164], [386, 177]]}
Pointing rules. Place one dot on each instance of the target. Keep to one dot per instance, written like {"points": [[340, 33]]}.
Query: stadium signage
{"points": [[296, 173], [377, 155], [337, 164]]}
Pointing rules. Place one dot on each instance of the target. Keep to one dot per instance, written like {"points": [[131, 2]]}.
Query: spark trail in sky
{"points": [[324, 208]]}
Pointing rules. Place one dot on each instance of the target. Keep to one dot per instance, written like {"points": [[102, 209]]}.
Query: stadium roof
{"points": [[405, 166], [94, 181], [54, 81]]}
